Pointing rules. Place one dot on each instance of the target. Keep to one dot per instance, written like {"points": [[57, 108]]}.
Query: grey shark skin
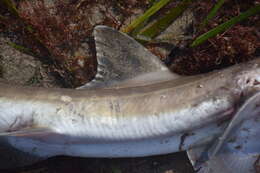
{"points": [[237, 149], [134, 107]]}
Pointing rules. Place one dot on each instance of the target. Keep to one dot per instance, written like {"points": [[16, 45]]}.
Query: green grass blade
{"points": [[224, 26], [2, 17], [140, 20], [10, 6], [212, 12], [160, 25], [21, 49]]}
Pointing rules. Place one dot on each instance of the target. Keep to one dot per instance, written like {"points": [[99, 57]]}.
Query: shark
{"points": [[134, 107]]}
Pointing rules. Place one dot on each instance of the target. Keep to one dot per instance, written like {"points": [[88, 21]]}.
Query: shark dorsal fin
{"points": [[121, 58]]}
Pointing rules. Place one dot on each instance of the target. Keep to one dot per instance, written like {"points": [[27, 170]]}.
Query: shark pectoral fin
{"points": [[237, 150], [121, 58], [30, 145], [11, 157], [20, 148], [39, 134], [27, 132]]}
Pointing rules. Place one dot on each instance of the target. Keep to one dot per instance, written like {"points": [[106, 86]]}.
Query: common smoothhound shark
{"points": [[133, 107]]}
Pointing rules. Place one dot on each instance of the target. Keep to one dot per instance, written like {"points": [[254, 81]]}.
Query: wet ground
{"points": [[172, 163]]}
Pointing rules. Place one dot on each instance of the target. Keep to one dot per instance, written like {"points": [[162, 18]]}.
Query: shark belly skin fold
{"points": [[134, 107]]}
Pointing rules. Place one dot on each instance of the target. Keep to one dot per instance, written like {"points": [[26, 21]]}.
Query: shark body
{"points": [[134, 107]]}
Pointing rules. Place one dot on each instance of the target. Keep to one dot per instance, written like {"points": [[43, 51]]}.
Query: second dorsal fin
{"points": [[121, 58]]}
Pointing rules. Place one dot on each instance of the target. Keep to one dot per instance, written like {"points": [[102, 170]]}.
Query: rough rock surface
{"points": [[18, 68]]}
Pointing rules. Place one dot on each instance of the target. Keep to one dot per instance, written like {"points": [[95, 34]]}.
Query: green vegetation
{"points": [[21, 48], [163, 23], [10, 6], [144, 32], [212, 13], [225, 26], [139, 22]]}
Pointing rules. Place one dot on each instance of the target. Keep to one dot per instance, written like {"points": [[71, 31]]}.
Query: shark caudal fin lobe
{"points": [[237, 150], [121, 58]]}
